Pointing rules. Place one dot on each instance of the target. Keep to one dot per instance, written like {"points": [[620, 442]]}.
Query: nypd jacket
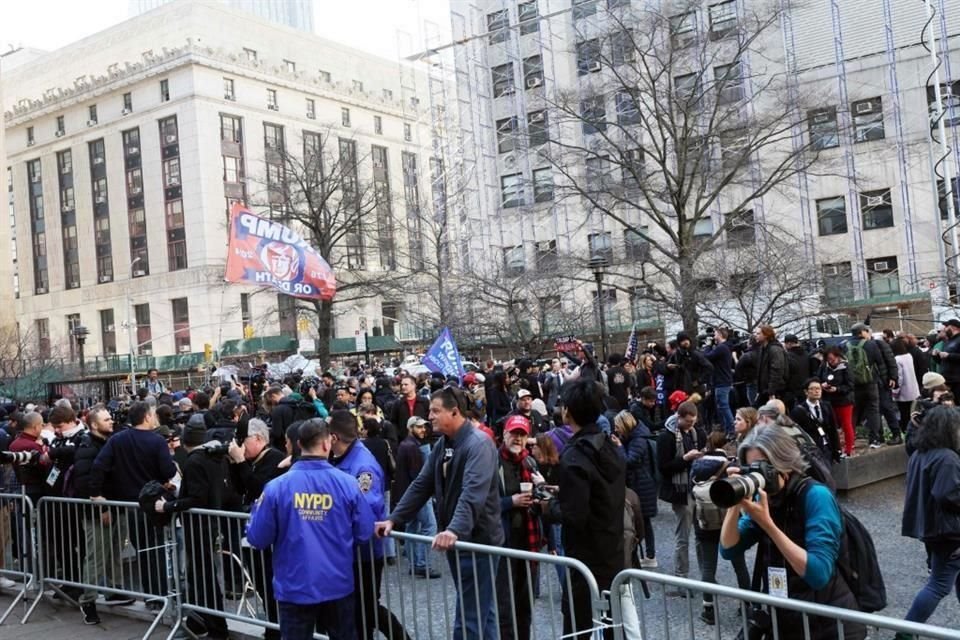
{"points": [[313, 516], [359, 463], [461, 473]]}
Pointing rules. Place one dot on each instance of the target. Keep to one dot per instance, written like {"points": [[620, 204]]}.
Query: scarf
{"points": [[534, 537], [680, 480]]}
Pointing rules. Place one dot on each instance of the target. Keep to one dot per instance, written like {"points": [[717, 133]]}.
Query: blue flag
{"points": [[443, 357]]}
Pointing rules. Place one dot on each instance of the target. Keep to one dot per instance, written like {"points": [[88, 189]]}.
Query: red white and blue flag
{"points": [[268, 253], [633, 347]]}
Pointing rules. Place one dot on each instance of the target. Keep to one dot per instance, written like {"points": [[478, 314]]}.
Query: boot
{"points": [[707, 614]]}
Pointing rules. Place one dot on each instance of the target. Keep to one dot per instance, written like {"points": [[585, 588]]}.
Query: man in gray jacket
{"points": [[461, 473]]}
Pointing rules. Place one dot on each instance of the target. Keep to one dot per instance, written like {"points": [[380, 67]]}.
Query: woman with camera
{"points": [[797, 527]]}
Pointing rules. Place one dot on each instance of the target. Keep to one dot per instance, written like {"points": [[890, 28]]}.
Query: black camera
{"points": [[540, 492], [215, 448], [17, 457], [727, 492]]}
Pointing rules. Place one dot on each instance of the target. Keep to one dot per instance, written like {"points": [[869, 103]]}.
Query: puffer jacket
{"points": [[641, 468], [931, 506]]}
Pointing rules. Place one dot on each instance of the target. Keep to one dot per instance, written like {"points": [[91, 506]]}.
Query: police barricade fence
{"points": [[86, 547], [652, 605], [17, 560]]}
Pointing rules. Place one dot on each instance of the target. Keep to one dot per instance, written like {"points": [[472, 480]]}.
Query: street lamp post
{"points": [[80, 334], [598, 263], [130, 343]]}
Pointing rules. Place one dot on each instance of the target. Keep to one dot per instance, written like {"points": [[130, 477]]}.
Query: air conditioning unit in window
{"points": [[91, 123], [171, 139], [173, 182], [864, 107], [881, 265], [41, 290], [874, 201], [821, 118], [35, 178], [228, 96], [59, 133], [594, 66], [108, 328], [135, 191], [508, 91], [273, 107], [105, 279], [99, 199], [184, 348], [146, 352], [831, 270], [66, 208], [125, 112], [133, 150], [30, 143], [74, 284], [98, 160], [65, 170], [534, 82]]}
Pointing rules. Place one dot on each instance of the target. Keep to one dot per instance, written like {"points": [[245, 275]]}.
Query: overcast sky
{"points": [[371, 25]]}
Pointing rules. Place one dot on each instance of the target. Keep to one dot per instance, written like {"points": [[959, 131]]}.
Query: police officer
{"points": [[331, 517]]}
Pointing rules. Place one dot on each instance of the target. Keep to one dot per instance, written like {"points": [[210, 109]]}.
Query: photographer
{"points": [[797, 527], [691, 370], [718, 353], [293, 408]]}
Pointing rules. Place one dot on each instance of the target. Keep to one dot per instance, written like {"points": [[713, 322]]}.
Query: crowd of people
{"points": [[571, 456]]}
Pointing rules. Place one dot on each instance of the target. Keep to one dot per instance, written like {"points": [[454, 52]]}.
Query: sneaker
{"points": [[875, 445], [649, 563], [90, 615], [7, 583], [154, 605], [895, 441], [114, 599], [424, 573]]}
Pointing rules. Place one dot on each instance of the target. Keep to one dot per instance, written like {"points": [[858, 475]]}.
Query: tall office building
{"points": [[297, 14]]}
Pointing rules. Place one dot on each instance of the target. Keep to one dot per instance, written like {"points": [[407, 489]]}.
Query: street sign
{"points": [[361, 339]]}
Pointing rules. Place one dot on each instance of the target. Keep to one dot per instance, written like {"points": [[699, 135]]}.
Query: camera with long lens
{"points": [[727, 492], [17, 457], [215, 448]]}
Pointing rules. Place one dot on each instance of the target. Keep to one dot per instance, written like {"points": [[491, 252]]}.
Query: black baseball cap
{"points": [[952, 322]]}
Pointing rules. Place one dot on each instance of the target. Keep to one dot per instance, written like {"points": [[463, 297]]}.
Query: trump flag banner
{"points": [[268, 253], [443, 357]]}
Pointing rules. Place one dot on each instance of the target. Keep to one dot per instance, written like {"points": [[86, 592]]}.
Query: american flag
{"points": [[633, 348]]}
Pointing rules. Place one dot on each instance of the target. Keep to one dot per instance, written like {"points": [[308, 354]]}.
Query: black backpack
{"points": [[857, 561]]}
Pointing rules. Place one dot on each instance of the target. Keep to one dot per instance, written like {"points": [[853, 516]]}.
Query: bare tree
{"points": [[26, 363], [673, 139]]}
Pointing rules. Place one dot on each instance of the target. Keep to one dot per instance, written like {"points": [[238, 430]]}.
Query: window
{"points": [[506, 130], [128, 102], [181, 325], [686, 88], [867, 120], [511, 190], [683, 29], [325, 76], [73, 321], [824, 133], [588, 57], [883, 277], [734, 149], [290, 66], [30, 139], [702, 230], [498, 24], [43, 337], [616, 4], [622, 48], [174, 214], [547, 255], [358, 86], [502, 80], [61, 127], [532, 72], [584, 8], [311, 109], [407, 132], [723, 19], [251, 54], [597, 173], [171, 172], [231, 129], [131, 142], [273, 137], [631, 164], [287, 315], [642, 304], [744, 283], [164, 91], [229, 92], [551, 314], [378, 125], [272, 100], [741, 229], [832, 216], [627, 111], [245, 318], [92, 114], [388, 95], [65, 162], [168, 131], [141, 316], [729, 83], [877, 209], [345, 116], [601, 244], [514, 261], [232, 169], [97, 152], [108, 333], [537, 128], [607, 301], [593, 114], [542, 185], [134, 181], [942, 200], [529, 17], [837, 283], [636, 246]]}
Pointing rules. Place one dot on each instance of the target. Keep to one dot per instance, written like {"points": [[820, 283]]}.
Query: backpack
{"points": [[858, 361], [818, 467], [631, 537], [652, 454], [709, 516], [857, 561]]}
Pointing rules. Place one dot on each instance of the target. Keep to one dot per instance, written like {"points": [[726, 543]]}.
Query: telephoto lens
{"points": [[17, 457], [727, 492]]}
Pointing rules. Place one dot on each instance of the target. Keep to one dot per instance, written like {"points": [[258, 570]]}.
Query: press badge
{"points": [[52, 476], [777, 582]]}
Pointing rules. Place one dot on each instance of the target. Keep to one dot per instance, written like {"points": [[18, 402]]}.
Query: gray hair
{"points": [[63, 402], [776, 445], [258, 428]]}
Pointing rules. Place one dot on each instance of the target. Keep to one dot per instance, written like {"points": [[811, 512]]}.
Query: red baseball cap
{"points": [[517, 423]]}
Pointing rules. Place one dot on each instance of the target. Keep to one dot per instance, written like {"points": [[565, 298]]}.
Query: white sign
{"points": [[307, 345], [361, 339]]}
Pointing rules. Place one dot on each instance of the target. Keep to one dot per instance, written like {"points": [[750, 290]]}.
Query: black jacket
{"points": [[840, 378], [771, 368], [249, 477], [670, 464], [883, 368], [409, 463], [224, 431], [383, 452], [798, 370], [889, 372], [950, 365], [721, 358], [823, 432], [204, 480], [931, 507], [590, 503], [285, 414], [693, 371], [400, 413], [83, 459]]}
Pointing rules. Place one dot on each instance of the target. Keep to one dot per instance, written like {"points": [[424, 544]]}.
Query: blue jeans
{"points": [[944, 576], [752, 392], [334, 618], [474, 576], [722, 397], [424, 524]]}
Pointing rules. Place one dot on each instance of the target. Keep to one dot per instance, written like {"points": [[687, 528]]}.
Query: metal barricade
{"points": [[482, 591], [17, 561], [84, 548], [663, 617]]}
